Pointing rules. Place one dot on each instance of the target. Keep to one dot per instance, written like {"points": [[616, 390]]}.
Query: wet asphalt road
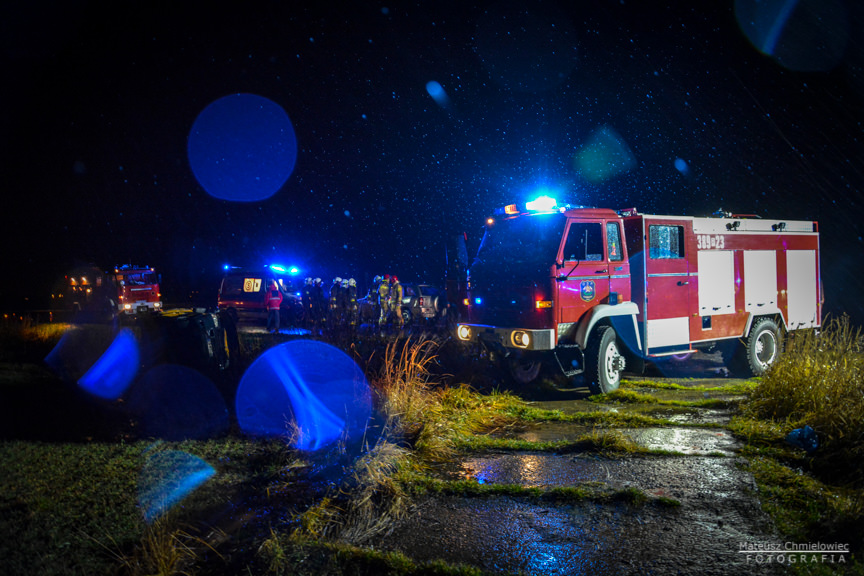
{"points": [[718, 513]]}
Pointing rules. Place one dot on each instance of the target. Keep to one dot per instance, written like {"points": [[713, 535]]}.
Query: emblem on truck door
{"points": [[586, 290]]}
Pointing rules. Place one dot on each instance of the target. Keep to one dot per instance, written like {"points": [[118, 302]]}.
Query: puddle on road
{"points": [[684, 440], [505, 534], [682, 478]]}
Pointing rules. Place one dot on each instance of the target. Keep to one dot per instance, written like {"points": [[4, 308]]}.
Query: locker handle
{"points": [[683, 283]]}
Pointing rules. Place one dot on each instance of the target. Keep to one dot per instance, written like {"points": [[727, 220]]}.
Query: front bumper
{"points": [[142, 308], [515, 338]]}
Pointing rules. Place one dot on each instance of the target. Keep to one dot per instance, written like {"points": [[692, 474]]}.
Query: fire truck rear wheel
{"points": [[603, 361], [762, 346]]}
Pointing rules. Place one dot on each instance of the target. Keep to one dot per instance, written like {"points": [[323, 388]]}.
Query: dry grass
{"points": [[406, 393], [24, 339], [423, 421], [819, 381], [164, 550]]}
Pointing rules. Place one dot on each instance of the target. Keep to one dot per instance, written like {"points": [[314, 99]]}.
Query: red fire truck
{"points": [[596, 291], [127, 290]]}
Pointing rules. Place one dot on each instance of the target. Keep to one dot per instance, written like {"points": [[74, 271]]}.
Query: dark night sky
{"points": [[99, 100]]}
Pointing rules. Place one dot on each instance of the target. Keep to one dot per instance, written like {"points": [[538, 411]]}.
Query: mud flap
{"points": [[570, 358]]}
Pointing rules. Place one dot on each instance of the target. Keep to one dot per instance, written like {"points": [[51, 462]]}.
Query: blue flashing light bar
{"points": [[541, 204], [279, 269]]}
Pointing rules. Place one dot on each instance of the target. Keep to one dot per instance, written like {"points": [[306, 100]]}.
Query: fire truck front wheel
{"points": [[603, 361], [525, 367]]}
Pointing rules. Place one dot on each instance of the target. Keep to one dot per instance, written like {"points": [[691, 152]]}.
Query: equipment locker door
{"points": [[667, 287]]}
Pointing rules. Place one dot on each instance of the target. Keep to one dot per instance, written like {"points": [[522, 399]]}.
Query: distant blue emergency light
{"points": [[279, 269]]}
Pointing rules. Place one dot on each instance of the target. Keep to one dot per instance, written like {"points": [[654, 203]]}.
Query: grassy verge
{"points": [[815, 496], [22, 340], [732, 389], [73, 508], [629, 396]]}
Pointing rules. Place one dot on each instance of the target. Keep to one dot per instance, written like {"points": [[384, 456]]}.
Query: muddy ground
{"points": [[719, 510]]}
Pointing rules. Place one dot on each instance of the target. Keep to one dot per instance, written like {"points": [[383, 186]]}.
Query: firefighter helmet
{"points": [[352, 282]]}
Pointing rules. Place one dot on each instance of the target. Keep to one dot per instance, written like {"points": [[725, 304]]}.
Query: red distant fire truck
{"points": [[127, 290], [596, 291]]}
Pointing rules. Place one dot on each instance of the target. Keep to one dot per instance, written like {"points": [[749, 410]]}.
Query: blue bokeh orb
{"points": [[308, 392], [242, 148]]}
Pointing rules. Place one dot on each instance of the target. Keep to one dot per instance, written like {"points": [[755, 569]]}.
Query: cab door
{"points": [[583, 277]]}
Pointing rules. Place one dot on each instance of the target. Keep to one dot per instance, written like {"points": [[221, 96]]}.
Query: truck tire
{"points": [[762, 346], [524, 368], [604, 362]]}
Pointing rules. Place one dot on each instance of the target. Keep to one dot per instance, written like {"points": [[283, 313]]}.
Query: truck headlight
{"points": [[463, 332], [520, 339]]}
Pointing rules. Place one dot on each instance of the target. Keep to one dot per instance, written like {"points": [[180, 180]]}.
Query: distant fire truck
{"points": [[127, 290], [596, 291]]}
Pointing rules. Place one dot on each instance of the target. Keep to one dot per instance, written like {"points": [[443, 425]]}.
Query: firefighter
{"points": [[335, 300], [372, 298], [319, 304], [306, 300], [384, 301], [351, 302], [274, 301], [343, 299], [396, 301]]}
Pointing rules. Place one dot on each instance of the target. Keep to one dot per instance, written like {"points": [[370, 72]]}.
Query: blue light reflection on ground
{"points": [[307, 391], [174, 402], [115, 370], [166, 478], [242, 147]]}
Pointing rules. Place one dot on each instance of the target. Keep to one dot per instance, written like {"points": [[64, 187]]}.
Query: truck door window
{"points": [[613, 242], [584, 242], [666, 242]]}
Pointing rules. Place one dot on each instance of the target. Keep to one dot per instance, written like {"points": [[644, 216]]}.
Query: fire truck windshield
{"points": [[524, 245], [138, 278]]}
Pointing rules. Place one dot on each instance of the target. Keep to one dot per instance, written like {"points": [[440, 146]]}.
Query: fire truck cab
{"points": [[597, 291], [137, 289], [126, 291]]}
